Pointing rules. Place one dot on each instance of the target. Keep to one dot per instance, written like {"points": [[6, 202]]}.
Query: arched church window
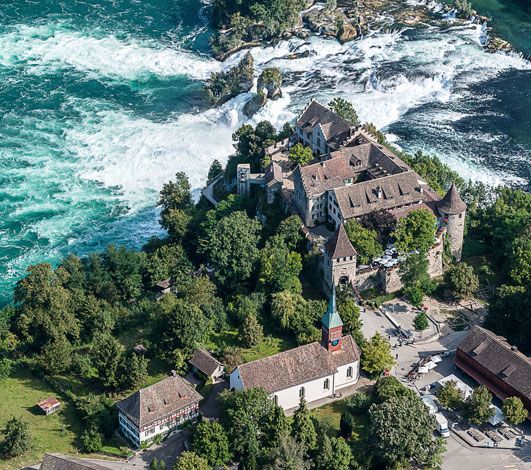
{"points": [[301, 392], [343, 280], [349, 372], [275, 399], [326, 384]]}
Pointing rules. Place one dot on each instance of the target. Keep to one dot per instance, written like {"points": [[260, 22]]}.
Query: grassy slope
{"points": [[56, 432]]}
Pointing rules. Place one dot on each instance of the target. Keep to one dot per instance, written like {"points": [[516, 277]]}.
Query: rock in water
{"points": [[347, 32], [223, 86], [254, 105], [269, 83]]}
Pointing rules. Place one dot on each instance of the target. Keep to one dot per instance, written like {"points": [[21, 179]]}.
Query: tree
{"points": [[106, 352], [346, 424], [176, 194], [364, 240], [302, 428], [415, 232], [401, 428], [45, 308], [231, 248], [333, 454], [210, 442], [191, 461], [345, 109], [91, 440], [415, 277], [246, 416], [377, 355], [290, 231], [390, 387], [232, 357], [176, 222], [514, 410], [287, 455], [135, 371], [6, 366], [383, 222], [277, 427], [350, 314], [251, 332], [359, 402], [279, 267], [478, 408], [215, 170], [462, 280], [421, 321], [185, 325], [450, 396], [17, 438], [300, 154], [56, 356]]}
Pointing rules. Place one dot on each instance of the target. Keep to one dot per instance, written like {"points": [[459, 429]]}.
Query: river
{"points": [[101, 102]]}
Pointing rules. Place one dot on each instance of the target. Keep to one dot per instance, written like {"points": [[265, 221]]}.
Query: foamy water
{"points": [[91, 175]]}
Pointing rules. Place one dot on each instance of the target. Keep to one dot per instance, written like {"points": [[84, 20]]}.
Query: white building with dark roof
{"points": [[157, 409], [313, 371]]}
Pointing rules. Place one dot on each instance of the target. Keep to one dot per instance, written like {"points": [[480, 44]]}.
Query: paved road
{"points": [[459, 456]]}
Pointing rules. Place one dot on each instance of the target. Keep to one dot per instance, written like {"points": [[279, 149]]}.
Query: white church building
{"points": [[312, 371]]}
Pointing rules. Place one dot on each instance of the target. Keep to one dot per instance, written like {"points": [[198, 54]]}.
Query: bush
{"points": [[421, 321], [91, 440], [359, 403]]}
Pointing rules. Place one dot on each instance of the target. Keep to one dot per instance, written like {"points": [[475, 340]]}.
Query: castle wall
{"points": [[455, 229]]}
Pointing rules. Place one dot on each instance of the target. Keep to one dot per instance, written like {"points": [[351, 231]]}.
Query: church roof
{"points": [[452, 203], [331, 318], [338, 245], [150, 404], [297, 366]]}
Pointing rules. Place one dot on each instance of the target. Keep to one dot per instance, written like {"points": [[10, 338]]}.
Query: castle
{"points": [[352, 175]]}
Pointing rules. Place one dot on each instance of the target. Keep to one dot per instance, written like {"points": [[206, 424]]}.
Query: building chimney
{"points": [[379, 192], [173, 373]]}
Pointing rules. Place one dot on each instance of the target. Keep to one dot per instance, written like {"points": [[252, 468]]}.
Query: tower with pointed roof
{"points": [[453, 210], [332, 325], [339, 260]]}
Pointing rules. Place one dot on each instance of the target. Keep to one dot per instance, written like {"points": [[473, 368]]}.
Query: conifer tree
{"points": [[303, 429]]}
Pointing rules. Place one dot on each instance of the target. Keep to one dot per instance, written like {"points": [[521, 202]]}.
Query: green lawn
{"points": [[269, 346], [53, 433], [332, 414]]}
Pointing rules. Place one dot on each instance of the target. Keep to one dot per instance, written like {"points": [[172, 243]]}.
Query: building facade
{"points": [[157, 410], [310, 372]]}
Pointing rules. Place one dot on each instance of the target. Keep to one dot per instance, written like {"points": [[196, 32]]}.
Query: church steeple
{"points": [[332, 325]]}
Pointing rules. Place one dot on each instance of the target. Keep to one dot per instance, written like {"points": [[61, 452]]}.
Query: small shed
{"points": [[204, 362], [49, 406]]}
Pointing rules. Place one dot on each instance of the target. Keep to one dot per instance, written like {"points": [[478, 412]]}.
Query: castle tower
{"points": [[339, 260], [243, 179], [332, 325], [453, 210]]}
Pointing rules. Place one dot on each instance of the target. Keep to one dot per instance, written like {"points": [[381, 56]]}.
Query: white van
{"points": [[442, 425]]}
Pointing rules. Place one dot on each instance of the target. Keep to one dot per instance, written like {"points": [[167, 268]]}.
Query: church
{"points": [[311, 372]]}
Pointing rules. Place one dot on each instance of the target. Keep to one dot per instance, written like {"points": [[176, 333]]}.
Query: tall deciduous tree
{"points": [[300, 154], [415, 232], [364, 240], [333, 454], [279, 267], [462, 280], [402, 429], [106, 353], [450, 396], [390, 387], [210, 442], [345, 109], [478, 406], [514, 410], [231, 248], [191, 461], [287, 455], [415, 277], [377, 355]]}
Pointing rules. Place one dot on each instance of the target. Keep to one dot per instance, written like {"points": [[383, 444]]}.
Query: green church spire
{"points": [[331, 318]]}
